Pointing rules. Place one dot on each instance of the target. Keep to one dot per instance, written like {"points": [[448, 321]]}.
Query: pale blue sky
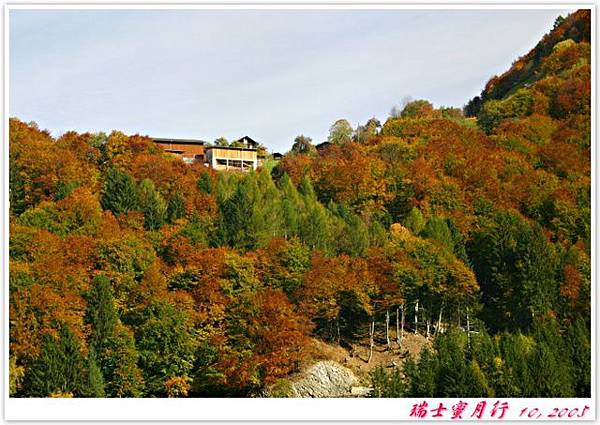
{"points": [[269, 74]]}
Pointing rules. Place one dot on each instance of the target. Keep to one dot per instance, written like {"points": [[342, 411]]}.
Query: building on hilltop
{"points": [[231, 158], [242, 155], [247, 142], [189, 150]]}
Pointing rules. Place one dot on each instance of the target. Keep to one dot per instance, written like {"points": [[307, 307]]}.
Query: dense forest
{"points": [[133, 274]]}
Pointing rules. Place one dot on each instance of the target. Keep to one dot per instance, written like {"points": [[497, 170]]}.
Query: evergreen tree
{"points": [[414, 221], [550, 363], [515, 378], [101, 313], [378, 237], [290, 206], [59, 369], [175, 207], [123, 375], [580, 350], [454, 372], [152, 205], [306, 188], [516, 268], [236, 218], [119, 193], [388, 385], [477, 384], [205, 183], [16, 190], [485, 353], [351, 233], [95, 380], [314, 225], [165, 340], [436, 228], [267, 215], [422, 376], [113, 347]]}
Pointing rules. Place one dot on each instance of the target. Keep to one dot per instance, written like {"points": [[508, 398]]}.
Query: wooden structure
{"points": [[247, 142], [230, 158], [189, 150], [242, 156]]}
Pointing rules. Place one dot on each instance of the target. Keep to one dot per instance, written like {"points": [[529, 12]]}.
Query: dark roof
{"points": [[323, 145], [233, 148], [249, 140], [277, 155], [182, 141]]}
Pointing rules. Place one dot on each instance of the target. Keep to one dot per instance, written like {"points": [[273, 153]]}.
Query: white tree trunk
{"points": [[387, 328], [417, 317], [439, 323], [468, 329], [371, 339], [398, 326], [402, 325]]}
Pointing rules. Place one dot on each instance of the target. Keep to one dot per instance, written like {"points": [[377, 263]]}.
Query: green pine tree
{"points": [[95, 380], [414, 221], [550, 364], [580, 350], [113, 346], [437, 228], [387, 384], [290, 207], [175, 207], [119, 193], [205, 183], [152, 205], [165, 340], [422, 376], [60, 367], [101, 313], [454, 373]]}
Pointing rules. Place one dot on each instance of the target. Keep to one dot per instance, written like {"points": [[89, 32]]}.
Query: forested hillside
{"points": [[133, 274]]}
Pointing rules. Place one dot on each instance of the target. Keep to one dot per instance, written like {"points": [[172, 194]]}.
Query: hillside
{"points": [[575, 29], [135, 274]]}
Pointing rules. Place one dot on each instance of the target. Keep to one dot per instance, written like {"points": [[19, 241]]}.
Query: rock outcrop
{"points": [[324, 379]]}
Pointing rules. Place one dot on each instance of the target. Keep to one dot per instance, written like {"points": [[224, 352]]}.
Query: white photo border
{"points": [[268, 409]]}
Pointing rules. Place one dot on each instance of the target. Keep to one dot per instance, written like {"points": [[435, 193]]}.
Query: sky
{"points": [[269, 74]]}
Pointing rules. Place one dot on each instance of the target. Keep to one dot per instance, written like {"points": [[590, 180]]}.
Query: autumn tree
{"points": [[303, 145], [340, 132]]}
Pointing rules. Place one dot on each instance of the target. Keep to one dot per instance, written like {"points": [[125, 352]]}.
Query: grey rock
{"points": [[325, 379], [360, 391]]}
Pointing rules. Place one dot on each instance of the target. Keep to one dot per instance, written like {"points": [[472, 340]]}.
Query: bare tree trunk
{"points": [[402, 325], [428, 322], [468, 329], [417, 317], [387, 328], [458, 317], [439, 323], [337, 324], [398, 326], [371, 339]]}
